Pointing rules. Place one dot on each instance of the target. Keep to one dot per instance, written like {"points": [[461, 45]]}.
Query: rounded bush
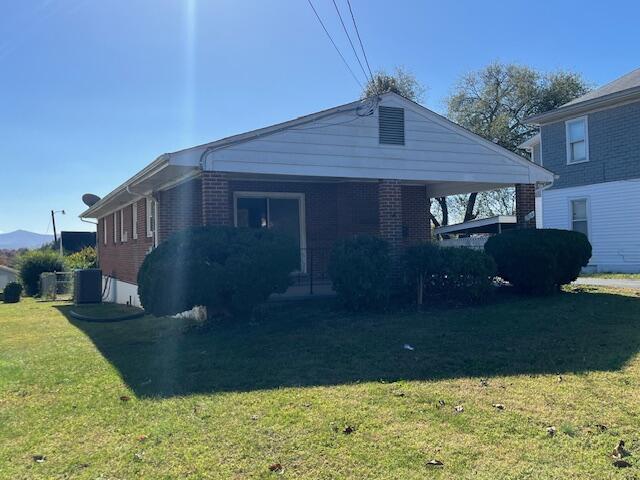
{"points": [[360, 270], [539, 261], [228, 270], [12, 292], [459, 274], [35, 262]]}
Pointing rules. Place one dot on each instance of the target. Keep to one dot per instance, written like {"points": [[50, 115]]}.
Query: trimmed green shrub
{"points": [[460, 274], [539, 261], [85, 258], [360, 269], [12, 292], [228, 270], [35, 262]]}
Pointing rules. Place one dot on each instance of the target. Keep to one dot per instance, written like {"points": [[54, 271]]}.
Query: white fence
{"points": [[476, 243]]}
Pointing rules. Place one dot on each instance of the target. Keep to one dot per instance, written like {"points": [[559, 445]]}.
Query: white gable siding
{"points": [[345, 145], [614, 221]]}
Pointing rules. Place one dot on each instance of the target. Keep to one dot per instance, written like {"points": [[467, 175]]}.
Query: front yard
{"points": [[315, 393]]}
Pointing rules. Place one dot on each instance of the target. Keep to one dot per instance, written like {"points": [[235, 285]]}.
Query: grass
{"points": [[622, 276], [164, 399]]}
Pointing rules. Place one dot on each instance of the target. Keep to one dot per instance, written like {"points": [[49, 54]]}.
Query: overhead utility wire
{"points": [[334, 44], [344, 27], [364, 54]]}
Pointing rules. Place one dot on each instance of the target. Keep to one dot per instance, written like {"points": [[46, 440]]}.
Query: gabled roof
{"points": [[619, 90], [255, 152]]}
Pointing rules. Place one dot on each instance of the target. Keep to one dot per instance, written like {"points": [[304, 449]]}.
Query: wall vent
{"points": [[391, 125]]}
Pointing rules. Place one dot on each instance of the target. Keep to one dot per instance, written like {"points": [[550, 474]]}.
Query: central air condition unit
{"points": [[87, 286]]}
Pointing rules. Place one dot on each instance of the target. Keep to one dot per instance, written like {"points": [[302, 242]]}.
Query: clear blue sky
{"points": [[91, 91]]}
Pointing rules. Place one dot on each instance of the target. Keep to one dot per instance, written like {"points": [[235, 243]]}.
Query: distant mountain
{"points": [[23, 239]]}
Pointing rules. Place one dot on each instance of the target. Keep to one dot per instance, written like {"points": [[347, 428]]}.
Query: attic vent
{"points": [[391, 125]]}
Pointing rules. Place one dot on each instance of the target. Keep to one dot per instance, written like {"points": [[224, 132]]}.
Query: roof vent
{"points": [[391, 125]]}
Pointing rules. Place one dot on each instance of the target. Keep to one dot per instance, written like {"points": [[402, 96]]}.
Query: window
{"points": [[151, 217], [579, 222], [391, 125], [577, 141], [104, 230], [115, 228], [123, 233], [282, 212], [134, 220]]}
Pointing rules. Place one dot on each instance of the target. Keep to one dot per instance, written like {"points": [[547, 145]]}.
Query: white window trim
{"points": [[148, 214], [570, 201], [134, 220], [123, 232], [586, 139], [115, 228], [301, 213]]}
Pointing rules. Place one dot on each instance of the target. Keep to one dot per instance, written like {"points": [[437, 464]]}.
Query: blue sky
{"points": [[92, 91]]}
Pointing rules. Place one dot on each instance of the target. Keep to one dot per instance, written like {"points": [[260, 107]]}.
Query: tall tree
{"points": [[400, 81], [494, 103]]}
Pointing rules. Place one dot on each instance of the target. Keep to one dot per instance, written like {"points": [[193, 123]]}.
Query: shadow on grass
{"points": [[313, 344]]}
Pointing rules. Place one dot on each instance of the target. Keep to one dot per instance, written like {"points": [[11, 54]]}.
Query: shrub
{"points": [[35, 262], [360, 269], [85, 258], [539, 261], [460, 274], [225, 269], [12, 292]]}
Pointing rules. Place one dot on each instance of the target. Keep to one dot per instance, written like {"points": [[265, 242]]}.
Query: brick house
{"points": [[370, 166]]}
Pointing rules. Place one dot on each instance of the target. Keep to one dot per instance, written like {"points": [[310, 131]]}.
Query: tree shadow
{"points": [[312, 344]]}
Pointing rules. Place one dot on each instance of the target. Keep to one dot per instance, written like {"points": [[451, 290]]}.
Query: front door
{"points": [[282, 212]]}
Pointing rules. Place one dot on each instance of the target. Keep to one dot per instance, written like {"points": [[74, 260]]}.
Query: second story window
{"points": [[577, 140]]}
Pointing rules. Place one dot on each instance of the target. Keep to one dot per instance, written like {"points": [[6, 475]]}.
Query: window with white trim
{"points": [[579, 216], [104, 230], [123, 232], [115, 228], [134, 220], [151, 217], [577, 140]]}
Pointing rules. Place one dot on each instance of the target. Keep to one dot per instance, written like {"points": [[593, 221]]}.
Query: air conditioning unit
{"points": [[87, 286]]}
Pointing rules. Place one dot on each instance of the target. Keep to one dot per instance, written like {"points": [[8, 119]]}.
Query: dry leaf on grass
{"points": [[124, 398], [551, 431], [621, 464], [276, 468], [39, 458], [458, 408], [435, 463], [348, 430], [498, 406]]}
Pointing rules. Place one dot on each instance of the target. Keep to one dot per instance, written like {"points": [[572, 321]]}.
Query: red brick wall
{"points": [[390, 214], [180, 207], [415, 214], [332, 211], [123, 259], [525, 203]]}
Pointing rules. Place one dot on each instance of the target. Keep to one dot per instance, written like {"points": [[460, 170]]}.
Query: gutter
{"points": [[585, 106]]}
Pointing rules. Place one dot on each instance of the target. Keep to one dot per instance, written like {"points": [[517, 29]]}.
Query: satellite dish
{"points": [[90, 199]]}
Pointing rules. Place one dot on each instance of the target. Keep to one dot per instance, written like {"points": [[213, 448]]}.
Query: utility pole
{"points": [[53, 221]]}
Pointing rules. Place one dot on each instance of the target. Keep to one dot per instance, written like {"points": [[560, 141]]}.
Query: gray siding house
{"points": [[592, 145]]}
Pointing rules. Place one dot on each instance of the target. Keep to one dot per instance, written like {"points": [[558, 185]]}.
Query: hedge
{"points": [[539, 261]]}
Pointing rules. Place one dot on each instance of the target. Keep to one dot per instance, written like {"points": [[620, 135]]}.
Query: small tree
{"points": [[401, 82], [35, 262], [228, 270], [85, 258]]}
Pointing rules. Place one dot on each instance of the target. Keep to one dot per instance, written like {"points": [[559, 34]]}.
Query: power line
{"points": [[344, 27], [364, 54], [334, 44]]}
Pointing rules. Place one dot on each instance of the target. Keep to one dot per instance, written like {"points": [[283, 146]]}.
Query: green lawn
{"points": [[623, 276], [160, 399]]}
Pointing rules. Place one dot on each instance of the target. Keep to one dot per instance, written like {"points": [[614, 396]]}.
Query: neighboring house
{"points": [[72, 242], [368, 166], [592, 144], [7, 275]]}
